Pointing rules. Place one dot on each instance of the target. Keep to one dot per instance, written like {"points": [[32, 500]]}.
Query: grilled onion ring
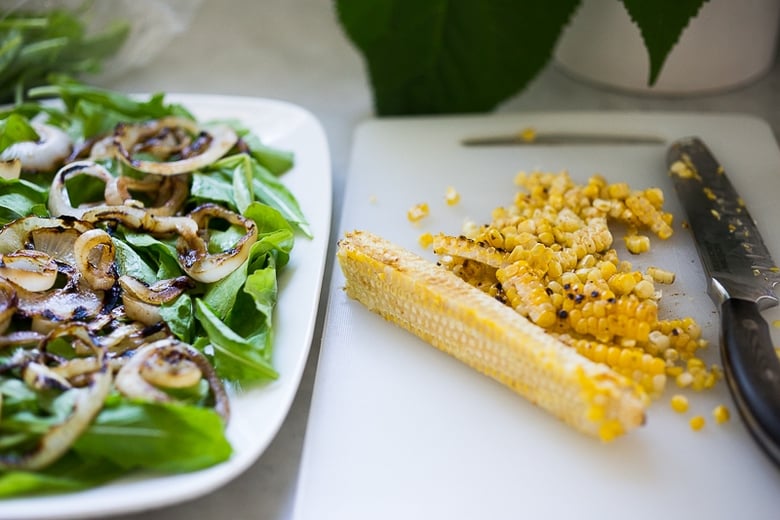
{"points": [[59, 200], [43, 155], [140, 220], [169, 192], [32, 270], [130, 380], [53, 236], [8, 303], [142, 302], [127, 137], [207, 267], [94, 252]]}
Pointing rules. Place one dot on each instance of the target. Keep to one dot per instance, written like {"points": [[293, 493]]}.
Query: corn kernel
{"points": [[660, 275], [721, 414], [697, 422], [684, 380], [679, 403], [637, 244], [425, 240], [418, 212], [451, 196], [644, 289]]}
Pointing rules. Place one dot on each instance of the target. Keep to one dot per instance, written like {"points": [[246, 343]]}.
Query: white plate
{"points": [[398, 429], [258, 413]]}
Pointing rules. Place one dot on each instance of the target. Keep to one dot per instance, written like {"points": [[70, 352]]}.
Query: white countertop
{"points": [[294, 50]]}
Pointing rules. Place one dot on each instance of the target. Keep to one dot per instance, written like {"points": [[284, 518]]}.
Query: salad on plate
{"points": [[140, 250]]}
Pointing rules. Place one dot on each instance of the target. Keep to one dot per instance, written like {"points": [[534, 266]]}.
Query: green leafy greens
{"points": [[445, 56], [36, 44]]}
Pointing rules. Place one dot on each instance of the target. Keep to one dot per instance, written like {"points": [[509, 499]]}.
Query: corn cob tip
{"points": [[455, 317]]}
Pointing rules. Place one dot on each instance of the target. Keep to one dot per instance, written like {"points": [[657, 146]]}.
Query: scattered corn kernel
{"points": [[550, 256], [721, 414], [679, 403], [637, 244], [425, 240], [418, 212], [451, 196], [660, 275], [697, 422]]}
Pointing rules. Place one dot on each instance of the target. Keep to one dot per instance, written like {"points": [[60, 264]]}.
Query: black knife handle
{"points": [[752, 371]]}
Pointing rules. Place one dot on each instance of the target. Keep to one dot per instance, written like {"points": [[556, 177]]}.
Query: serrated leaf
{"points": [[661, 23], [443, 56]]}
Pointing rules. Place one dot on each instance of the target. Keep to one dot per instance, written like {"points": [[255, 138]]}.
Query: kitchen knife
{"points": [[741, 277]]}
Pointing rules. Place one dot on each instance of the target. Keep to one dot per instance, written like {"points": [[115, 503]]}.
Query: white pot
{"points": [[728, 44]]}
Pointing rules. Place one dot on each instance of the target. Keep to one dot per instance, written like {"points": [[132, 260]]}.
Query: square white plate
{"points": [[257, 413], [398, 429]]}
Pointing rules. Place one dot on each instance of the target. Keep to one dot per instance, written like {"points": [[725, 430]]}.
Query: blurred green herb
{"points": [[442, 56], [34, 45]]}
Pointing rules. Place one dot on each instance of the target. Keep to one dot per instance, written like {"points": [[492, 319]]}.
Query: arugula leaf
{"points": [[157, 254], [130, 263], [235, 358], [270, 190], [15, 129], [70, 473], [661, 23], [159, 436], [239, 177], [179, 317], [20, 198]]}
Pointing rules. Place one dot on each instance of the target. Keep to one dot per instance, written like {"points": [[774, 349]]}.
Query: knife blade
{"points": [[530, 136], [741, 277]]}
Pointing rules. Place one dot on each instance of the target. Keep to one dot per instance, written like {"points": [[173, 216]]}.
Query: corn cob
{"points": [[490, 337]]}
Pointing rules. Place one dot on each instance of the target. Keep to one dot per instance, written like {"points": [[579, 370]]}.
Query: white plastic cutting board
{"points": [[399, 430]]}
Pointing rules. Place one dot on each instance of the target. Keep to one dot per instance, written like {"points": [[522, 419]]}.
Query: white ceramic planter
{"points": [[729, 44]]}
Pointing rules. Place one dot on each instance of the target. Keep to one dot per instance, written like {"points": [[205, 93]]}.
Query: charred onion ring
{"points": [[207, 267], [30, 269], [130, 380], [94, 252], [59, 199], [142, 302], [169, 193], [8, 303], [131, 138], [43, 155]]}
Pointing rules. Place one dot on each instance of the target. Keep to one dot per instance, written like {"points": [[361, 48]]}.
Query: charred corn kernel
{"points": [[418, 212], [679, 403], [451, 196], [660, 275], [721, 414], [462, 321], [637, 244], [425, 240], [697, 422]]}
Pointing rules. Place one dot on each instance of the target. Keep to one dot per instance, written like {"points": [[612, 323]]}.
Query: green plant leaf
{"points": [[661, 23], [443, 56]]}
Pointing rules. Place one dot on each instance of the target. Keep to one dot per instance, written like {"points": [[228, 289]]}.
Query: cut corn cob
{"points": [[490, 337]]}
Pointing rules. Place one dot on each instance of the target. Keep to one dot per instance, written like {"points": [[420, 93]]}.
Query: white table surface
{"points": [[294, 50]]}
